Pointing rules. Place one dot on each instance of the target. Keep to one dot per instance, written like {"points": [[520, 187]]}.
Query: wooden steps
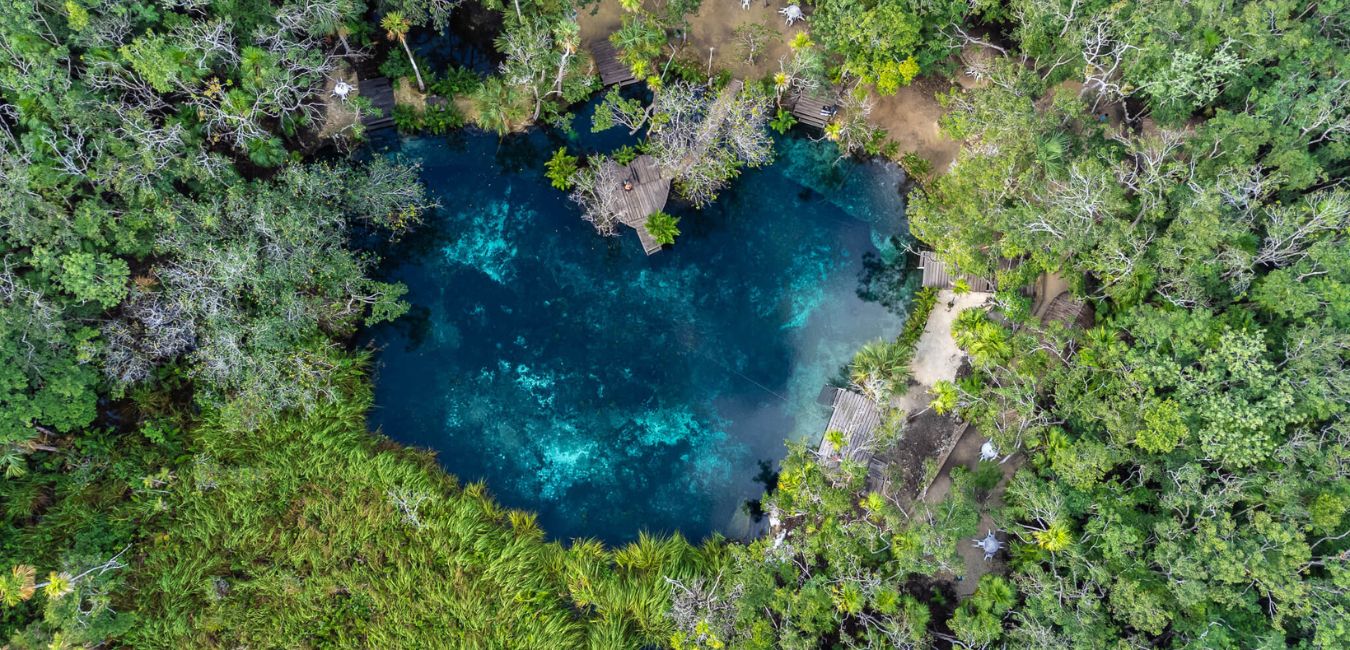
{"points": [[381, 94], [808, 110], [937, 274], [612, 70]]}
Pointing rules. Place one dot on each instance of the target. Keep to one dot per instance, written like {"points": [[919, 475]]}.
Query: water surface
{"points": [[614, 392]]}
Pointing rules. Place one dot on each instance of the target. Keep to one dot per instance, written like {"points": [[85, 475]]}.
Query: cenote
{"points": [[609, 391]]}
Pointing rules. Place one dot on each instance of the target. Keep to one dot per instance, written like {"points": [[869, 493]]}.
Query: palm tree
{"points": [[878, 368], [499, 106], [964, 328], [396, 28], [663, 228]]}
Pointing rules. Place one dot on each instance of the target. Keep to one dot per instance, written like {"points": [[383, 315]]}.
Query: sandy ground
{"points": [[910, 116], [713, 27], [338, 117], [407, 94], [936, 356]]}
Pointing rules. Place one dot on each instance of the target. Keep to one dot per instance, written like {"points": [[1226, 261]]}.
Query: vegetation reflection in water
{"points": [[614, 392]]}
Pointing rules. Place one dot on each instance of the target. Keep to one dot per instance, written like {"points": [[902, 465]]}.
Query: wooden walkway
{"points": [[647, 197], [936, 273], [381, 95], [612, 70], [1069, 311], [809, 110], [857, 418]]}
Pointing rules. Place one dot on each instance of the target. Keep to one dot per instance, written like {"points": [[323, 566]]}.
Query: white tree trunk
{"points": [[420, 86]]}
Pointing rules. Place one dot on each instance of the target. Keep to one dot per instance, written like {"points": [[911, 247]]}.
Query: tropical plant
{"points": [[880, 369], [663, 228], [396, 28], [561, 168], [783, 121]]}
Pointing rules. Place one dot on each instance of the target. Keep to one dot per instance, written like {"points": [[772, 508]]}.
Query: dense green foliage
{"points": [[886, 43], [309, 532], [848, 568], [1186, 484], [182, 438], [118, 151]]}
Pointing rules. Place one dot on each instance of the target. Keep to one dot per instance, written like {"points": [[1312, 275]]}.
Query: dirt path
{"points": [[967, 454], [338, 115], [936, 355]]}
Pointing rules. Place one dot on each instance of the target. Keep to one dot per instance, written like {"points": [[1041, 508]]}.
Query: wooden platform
{"points": [[1069, 311], [612, 70], [649, 195], [807, 109], [381, 94], [937, 274], [857, 418]]}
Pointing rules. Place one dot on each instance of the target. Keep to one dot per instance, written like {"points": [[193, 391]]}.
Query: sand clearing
{"points": [[910, 116], [713, 27]]}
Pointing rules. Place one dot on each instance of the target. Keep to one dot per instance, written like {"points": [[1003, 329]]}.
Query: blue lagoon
{"points": [[609, 391]]}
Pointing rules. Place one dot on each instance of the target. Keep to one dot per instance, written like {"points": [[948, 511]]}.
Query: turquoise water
{"points": [[613, 392]]}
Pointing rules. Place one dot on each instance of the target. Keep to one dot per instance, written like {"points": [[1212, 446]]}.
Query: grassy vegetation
{"points": [[312, 531]]}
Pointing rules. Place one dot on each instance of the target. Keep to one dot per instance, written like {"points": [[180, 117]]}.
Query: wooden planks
{"points": [[857, 418], [807, 110], [612, 70], [936, 273], [648, 196], [381, 94]]}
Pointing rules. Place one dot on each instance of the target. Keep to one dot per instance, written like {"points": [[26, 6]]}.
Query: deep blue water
{"points": [[614, 392]]}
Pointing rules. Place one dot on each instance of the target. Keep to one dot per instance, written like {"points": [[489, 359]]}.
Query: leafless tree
{"points": [[598, 190], [700, 603], [1104, 53], [1291, 230], [702, 139], [147, 331], [408, 502]]}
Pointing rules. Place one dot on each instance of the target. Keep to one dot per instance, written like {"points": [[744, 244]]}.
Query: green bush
{"points": [[456, 80], [783, 121], [560, 169], [663, 228]]}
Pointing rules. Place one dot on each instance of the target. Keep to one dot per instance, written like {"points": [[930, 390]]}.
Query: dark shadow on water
{"points": [[467, 43], [889, 280]]}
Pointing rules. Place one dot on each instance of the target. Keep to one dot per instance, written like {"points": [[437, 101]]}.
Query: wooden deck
{"points": [[857, 418], [381, 94], [612, 70], [1069, 311], [807, 109], [649, 195], [936, 273]]}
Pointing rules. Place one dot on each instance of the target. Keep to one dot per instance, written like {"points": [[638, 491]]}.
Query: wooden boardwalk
{"points": [[936, 273], [648, 196], [381, 94], [857, 418], [1069, 311], [809, 110], [612, 70]]}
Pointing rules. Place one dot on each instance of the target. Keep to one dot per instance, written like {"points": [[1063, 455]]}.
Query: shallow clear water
{"points": [[613, 392]]}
